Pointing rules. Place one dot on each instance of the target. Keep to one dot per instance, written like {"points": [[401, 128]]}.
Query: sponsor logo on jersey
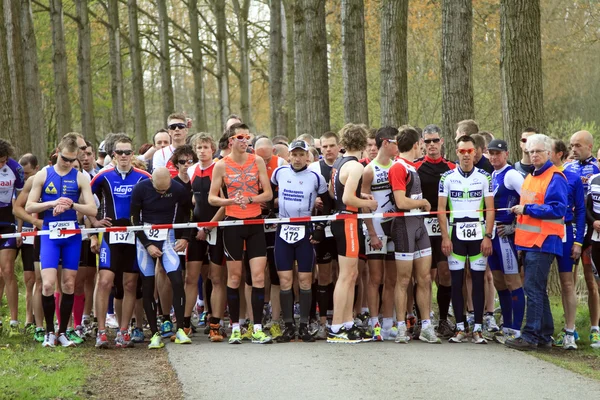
{"points": [[50, 189], [123, 189], [6, 183]]}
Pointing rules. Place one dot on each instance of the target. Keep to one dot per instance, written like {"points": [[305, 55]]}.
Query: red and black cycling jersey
{"points": [[430, 171], [201, 180]]}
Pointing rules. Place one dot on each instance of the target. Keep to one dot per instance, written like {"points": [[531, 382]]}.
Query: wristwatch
{"points": [[488, 235], [250, 201]]}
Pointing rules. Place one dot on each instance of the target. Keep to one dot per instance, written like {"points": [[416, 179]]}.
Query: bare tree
{"points": [[137, 78], [241, 12], [457, 67], [222, 69], [166, 83], [197, 68], [354, 68], [276, 100], [289, 87], [521, 69], [6, 113], [310, 62], [116, 69], [59, 61], [84, 69]]}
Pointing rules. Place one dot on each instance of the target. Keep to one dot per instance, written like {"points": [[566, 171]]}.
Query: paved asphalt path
{"points": [[370, 371]]}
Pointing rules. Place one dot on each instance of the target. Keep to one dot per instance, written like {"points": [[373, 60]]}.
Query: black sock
{"points": [[313, 302], [287, 305], [178, 296], [323, 300], [305, 299], [457, 294], [380, 290], [150, 304], [66, 308], [187, 322], [233, 301], [258, 302], [214, 321], [478, 295], [207, 303], [48, 307], [330, 289], [444, 295], [488, 313], [166, 317]]}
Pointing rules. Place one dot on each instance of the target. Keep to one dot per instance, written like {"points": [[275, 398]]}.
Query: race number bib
{"points": [[156, 235], [270, 228], [292, 233], [433, 227], [55, 228], [469, 231], [122, 237], [328, 232], [182, 253], [211, 237], [27, 239], [595, 236], [370, 250], [494, 231]]}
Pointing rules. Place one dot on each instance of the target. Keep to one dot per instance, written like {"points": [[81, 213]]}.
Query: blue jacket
{"points": [[576, 207], [554, 207]]}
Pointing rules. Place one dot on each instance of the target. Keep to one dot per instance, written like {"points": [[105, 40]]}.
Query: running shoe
{"points": [[111, 321], [321, 333], [569, 342], [260, 337], [188, 331], [80, 331], [13, 330], [361, 333], [64, 341], [362, 319], [470, 321], [428, 335], [101, 340], [72, 336], [445, 329], [342, 336], [166, 329], [559, 341], [156, 341], [202, 320], [458, 337], [39, 335], [30, 328], [214, 334], [304, 334], [410, 323], [275, 330], [137, 335], [478, 338], [403, 335], [49, 340], [195, 319], [490, 323], [389, 334], [247, 332], [296, 310], [236, 337], [181, 337], [288, 335], [595, 339], [377, 337]]}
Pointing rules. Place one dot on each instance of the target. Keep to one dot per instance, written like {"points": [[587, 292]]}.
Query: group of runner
{"points": [[348, 280]]}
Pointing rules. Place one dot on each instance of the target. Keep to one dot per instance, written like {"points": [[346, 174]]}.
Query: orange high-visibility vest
{"points": [[531, 231]]}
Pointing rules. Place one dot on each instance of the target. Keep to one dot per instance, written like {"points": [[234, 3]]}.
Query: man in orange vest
{"points": [[539, 233]]}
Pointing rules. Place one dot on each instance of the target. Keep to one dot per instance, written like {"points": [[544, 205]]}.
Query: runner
{"points": [[524, 167], [178, 130]]}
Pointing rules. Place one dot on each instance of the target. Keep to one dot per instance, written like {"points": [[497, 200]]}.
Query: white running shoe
{"points": [[49, 340], [64, 341], [111, 321], [490, 323], [428, 335], [569, 342], [402, 336], [478, 338]]}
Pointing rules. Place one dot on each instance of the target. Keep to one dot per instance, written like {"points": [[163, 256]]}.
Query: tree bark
{"points": [[393, 59], [61, 79], [33, 90], [276, 99], [197, 69], [84, 69], [6, 105], [137, 78], [166, 83], [457, 67], [222, 69], [354, 68], [520, 69], [289, 87], [241, 11], [116, 69], [310, 61]]}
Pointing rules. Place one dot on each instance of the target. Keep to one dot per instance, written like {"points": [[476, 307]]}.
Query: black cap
{"points": [[498, 144], [298, 144]]}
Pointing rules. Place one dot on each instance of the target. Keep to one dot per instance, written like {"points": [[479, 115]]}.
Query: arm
{"points": [[86, 205], [19, 205], [555, 201], [443, 220], [33, 206], [489, 215], [367, 178], [263, 178], [215, 188], [579, 212], [135, 209], [184, 214], [354, 171]]}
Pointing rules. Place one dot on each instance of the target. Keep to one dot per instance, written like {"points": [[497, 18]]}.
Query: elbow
{"points": [[28, 208]]}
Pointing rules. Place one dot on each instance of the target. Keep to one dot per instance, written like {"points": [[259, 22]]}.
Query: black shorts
{"points": [[326, 251], [200, 250], [119, 257], [273, 275], [234, 238], [348, 235], [436, 251], [27, 257], [88, 257]]}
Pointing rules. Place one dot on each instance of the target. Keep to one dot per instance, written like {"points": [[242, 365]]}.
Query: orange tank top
{"points": [[244, 179]]}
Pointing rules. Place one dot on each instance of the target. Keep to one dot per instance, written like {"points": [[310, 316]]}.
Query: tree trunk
{"points": [[520, 69], [457, 67], [354, 68], [222, 69], [310, 61], [394, 83], [6, 105], [84, 69], [289, 88], [137, 76], [241, 12], [276, 103], [33, 90], [197, 69], [116, 69], [166, 83], [61, 79]]}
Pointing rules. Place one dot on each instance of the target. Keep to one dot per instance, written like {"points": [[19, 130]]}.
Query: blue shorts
{"points": [[119, 257], [10, 243], [565, 262], [504, 255], [169, 259], [302, 251], [52, 251]]}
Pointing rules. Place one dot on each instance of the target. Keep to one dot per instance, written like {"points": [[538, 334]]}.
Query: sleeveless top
{"points": [[57, 186], [338, 187], [242, 179]]}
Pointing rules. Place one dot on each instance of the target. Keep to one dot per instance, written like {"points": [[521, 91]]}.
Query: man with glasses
{"points": [[178, 130], [539, 232], [242, 175], [524, 167], [114, 187]]}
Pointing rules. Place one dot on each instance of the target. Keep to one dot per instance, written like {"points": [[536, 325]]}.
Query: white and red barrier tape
{"points": [[239, 222]]}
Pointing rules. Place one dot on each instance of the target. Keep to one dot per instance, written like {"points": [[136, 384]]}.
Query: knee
{"points": [[191, 279], [104, 284], [258, 280], [216, 280], [130, 286], [48, 288], [234, 280], [567, 286], [68, 286], [285, 282]]}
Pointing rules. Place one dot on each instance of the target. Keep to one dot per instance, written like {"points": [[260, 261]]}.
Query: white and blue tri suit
{"points": [[12, 180]]}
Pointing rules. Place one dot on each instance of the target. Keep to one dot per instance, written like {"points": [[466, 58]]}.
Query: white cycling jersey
{"points": [[466, 192]]}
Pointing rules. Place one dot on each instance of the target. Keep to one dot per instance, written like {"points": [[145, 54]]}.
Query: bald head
{"points": [[263, 142], [161, 179], [281, 150], [582, 143], [264, 148]]}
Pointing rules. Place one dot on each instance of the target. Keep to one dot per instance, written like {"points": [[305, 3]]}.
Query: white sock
{"points": [[373, 321], [477, 328], [242, 321], [14, 322], [257, 327], [388, 323], [348, 324], [425, 323], [235, 326], [517, 333], [335, 328], [595, 328], [460, 326], [199, 302], [409, 315], [401, 324], [364, 310]]}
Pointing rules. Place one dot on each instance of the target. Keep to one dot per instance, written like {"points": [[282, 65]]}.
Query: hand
{"points": [[201, 235], [180, 245], [500, 230], [102, 223], [518, 210], [94, 244], [486, 246], [371, 204], [59, 209], [19, 241], [154, 251], [318, 203], [366, 196], [596, 226], [376, 243], [576, 252], [446, 246], [65, 201], [426, 205]]}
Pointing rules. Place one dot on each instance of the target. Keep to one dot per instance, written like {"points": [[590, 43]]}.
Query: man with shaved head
{"points": [[281, 151], [585, 165]]}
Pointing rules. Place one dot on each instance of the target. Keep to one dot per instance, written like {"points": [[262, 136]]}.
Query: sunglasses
{"points": [[125, 152], [427, 141], [69, 160], [183, 162], [524, 140], [466, 151], [391, 140], [179, 125], [241, 138], [537, 151]]}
